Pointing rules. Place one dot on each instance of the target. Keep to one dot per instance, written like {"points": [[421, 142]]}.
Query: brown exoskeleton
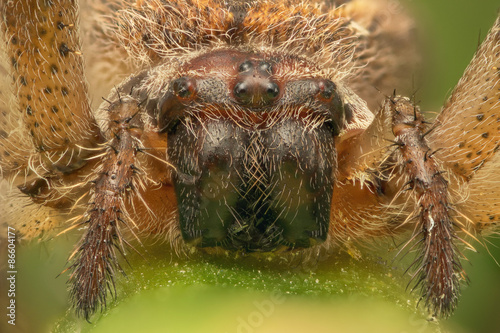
{"points": [[246, 126]]}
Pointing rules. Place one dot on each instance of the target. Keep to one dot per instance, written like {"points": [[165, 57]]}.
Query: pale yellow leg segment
{"points": [[368, 149], [14, 142], [468, 134], [47, 71], [365, 185], [469, 125]]}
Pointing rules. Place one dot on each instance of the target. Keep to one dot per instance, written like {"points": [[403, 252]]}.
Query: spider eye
{"points": [[183, 87], [265, 67], [272, 91], [171, 106], [241, 91], [323, 97], [255, 86], [327, 89], [245, 66], [329, 96]]}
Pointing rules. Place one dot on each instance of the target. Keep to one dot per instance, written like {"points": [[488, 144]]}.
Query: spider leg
{"points": [[131, 194], [46, 67], [468, 123], [439, 268], [13, 146], [107, 217], [48, 130], [364, 194], [377, 167], [468, 134]]}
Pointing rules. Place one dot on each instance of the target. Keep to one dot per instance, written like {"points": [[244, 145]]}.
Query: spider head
{"points": [[252, 139]]}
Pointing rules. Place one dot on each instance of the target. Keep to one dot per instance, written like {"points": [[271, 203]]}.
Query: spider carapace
{"points": [[241, 125]]}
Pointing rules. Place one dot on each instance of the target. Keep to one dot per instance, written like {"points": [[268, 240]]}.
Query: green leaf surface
{"points": [[206, 293]]}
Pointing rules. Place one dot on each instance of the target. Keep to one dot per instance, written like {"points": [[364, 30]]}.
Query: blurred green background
{"points": [[174, 295]]}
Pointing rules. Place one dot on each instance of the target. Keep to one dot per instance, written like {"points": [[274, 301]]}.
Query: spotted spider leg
{"points": [[466, 142], [467, 135], [52, 130], [47, 69]]}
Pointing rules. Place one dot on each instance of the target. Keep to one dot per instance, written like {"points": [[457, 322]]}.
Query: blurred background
{"points": [[449, 33]]}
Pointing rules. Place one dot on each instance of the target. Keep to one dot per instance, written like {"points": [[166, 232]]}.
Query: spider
{"points": [[244, 126]]}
